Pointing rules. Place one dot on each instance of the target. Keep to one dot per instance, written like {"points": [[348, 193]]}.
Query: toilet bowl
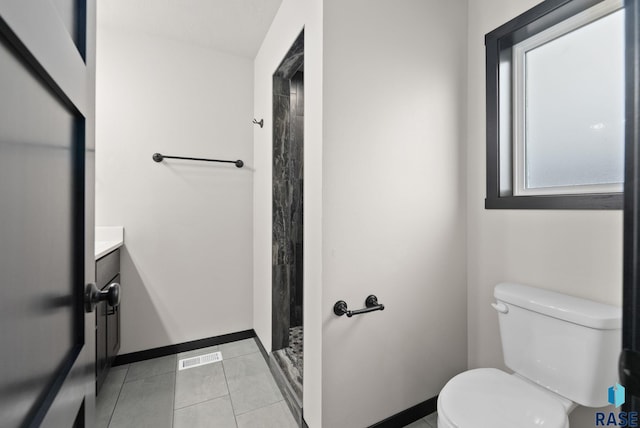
{"points": [[492, 398], [563, 351]]}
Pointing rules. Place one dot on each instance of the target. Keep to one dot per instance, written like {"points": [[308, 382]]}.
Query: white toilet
{"points": [[564, 352]]}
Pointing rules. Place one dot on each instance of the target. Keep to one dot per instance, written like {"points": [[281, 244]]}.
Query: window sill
{"points": [[611, 201]]}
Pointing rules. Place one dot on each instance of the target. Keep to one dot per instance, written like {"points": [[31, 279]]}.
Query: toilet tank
{"points": [[563, 343]]}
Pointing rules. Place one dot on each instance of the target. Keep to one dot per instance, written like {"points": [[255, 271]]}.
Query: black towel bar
{"points": [[158, 157], [371, 303]]}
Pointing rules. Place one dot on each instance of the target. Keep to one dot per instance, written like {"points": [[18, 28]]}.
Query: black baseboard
{"points": [[410, 415], [163, 351], [263, 351]]}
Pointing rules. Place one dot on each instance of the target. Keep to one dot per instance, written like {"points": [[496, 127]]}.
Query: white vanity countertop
{"points": [[108, 238]]}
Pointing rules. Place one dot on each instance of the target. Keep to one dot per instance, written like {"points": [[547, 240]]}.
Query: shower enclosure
{"points": [[288, 180]]}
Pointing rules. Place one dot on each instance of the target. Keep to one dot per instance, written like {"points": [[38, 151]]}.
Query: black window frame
{"points": [[498, 41]]}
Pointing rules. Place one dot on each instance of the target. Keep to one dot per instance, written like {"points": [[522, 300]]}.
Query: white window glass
{"points": [[569, 132]]}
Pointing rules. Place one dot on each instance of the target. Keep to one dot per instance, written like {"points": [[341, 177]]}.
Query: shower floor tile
{"points": [[291, 359]]}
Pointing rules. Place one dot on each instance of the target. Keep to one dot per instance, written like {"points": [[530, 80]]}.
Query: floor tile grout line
{"points": [[194, 350], [257, 408], [261, 407], [117, 399], [226, 382], [429, 424], [241, 355], [174, 370], [202, 402], [149, 377]]}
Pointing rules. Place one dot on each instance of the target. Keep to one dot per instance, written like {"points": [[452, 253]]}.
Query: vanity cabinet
{"points": [[107, 317]]}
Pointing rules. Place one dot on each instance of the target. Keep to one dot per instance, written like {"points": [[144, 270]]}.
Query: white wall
{"points": [[574, 252], [293, 16], [187, 261], [393, 204]]}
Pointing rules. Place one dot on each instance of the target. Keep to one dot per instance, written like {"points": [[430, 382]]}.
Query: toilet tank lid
{"points": [[568, 308]]}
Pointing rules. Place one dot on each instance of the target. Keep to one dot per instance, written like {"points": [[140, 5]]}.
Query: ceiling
{"points": [[233, 26]]}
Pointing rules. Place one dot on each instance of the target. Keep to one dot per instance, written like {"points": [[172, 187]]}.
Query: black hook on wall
{"points": [[371, 303], [261, 123]]}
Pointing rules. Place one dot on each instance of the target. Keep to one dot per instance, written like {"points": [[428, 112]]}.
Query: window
{"points": [[555, 107]]}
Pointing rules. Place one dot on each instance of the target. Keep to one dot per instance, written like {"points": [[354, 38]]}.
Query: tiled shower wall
{"points": [[297, 147], [288, 101]]}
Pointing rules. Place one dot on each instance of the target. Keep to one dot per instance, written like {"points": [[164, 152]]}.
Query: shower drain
{"points": [[200, 360]]}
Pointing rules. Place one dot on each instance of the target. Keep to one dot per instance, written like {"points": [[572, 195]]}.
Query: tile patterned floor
{"points": [[296, 347], [238, 392]]}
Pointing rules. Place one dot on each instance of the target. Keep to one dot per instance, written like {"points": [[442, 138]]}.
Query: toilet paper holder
{"points": [[371, 303]]}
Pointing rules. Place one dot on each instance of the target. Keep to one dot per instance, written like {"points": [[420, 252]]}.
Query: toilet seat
{"points": [[492, 398]]}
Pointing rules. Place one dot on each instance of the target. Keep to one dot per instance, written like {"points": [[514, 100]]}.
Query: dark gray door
{"points": [[47, 344]]}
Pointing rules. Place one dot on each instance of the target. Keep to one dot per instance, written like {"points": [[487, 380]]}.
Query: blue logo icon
{"points": [[616, 418], [616, 395]]}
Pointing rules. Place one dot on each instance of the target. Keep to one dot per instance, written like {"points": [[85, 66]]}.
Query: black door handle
{"points": [[93, 296]]}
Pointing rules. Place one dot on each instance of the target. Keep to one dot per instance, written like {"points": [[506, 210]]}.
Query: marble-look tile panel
{"points": [[282, 253], [294, 59], [281, 86], [298, 79], [288, 142], [280, 315]]}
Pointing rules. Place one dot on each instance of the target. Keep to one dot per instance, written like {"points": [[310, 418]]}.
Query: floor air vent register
{"points": [[200, 360]]}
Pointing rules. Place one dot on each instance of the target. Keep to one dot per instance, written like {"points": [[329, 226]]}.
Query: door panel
{"points": [[35, 28], [46, 206], [71, 13], [37, 155], [630, 357]]}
